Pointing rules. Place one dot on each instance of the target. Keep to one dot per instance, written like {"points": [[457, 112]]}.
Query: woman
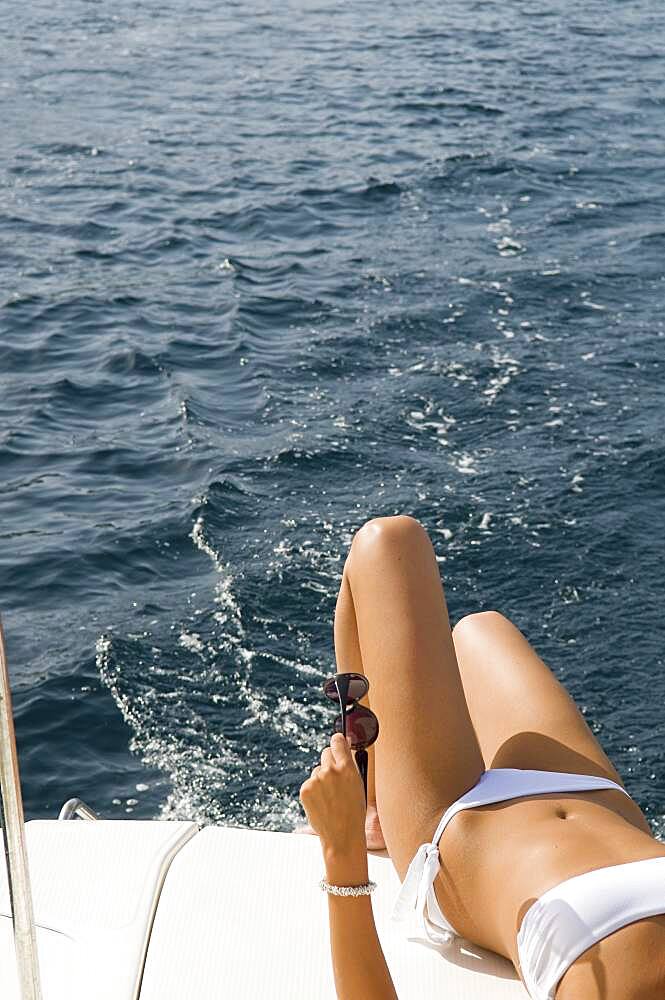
{"points": [[459, 712]]}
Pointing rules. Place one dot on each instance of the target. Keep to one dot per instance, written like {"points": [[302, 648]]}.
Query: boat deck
{"points": [[149, 910]]}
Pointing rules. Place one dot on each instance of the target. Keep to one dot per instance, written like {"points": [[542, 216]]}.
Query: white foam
{"points": [[191, 641]]}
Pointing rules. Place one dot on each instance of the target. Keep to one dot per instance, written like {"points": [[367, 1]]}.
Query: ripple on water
{"points": [[268, 280]]}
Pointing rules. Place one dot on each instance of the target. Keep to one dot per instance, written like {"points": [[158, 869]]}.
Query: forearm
{"points": [[359, 966]]}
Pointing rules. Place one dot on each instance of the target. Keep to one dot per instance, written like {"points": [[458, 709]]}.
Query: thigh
{"points": [[522, 714], [427, 753], [629, 962]]}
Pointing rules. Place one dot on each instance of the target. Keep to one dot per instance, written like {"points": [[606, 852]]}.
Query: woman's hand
{"points": [[333, 798]]}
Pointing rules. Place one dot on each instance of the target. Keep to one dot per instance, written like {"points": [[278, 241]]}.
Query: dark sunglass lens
{"points": [[358, 686], [330, 689], [361, 725]]}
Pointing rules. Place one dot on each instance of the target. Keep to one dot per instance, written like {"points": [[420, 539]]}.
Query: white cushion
{"points": [[95, 886], [241, 917]]}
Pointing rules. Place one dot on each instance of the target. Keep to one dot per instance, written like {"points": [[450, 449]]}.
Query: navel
{"points": [[561, 812]]}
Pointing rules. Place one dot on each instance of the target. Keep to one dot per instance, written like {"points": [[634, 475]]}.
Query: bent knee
{"points": [[387, 532], [479, 624]]}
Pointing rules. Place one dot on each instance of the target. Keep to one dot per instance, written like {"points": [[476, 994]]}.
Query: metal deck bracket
{"points": [[76, 807]]}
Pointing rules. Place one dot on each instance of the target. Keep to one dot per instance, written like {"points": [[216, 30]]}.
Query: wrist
{"points": [[347, 866]]}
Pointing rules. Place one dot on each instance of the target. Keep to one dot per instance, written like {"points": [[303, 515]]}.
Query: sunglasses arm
{"points": [[361, 761], [342, 684]]}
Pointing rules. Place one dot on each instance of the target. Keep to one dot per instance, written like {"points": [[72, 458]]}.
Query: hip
{"points": [[497, 860]]}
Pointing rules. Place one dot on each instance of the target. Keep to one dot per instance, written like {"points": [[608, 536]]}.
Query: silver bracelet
{"points": [[348, 890]]}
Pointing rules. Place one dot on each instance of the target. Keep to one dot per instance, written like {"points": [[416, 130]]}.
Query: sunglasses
{"points": [[355, 722]]}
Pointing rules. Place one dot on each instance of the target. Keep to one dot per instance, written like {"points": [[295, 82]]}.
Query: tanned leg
{"points": [[349, 660], [391, 623], [427, 753], [522, 714]]}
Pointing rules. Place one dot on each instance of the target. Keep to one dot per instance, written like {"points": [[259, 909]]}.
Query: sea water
{"points": [[269, 270]]}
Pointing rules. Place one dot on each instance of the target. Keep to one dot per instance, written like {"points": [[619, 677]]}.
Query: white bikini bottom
{"points": [[574, 915], [565, 920]]}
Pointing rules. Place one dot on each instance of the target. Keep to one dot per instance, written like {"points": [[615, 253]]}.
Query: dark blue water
{"points": [[269, 270]]}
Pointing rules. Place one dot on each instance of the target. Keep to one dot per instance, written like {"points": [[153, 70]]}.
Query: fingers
{"points": [[339, 749], [339, 752], [308, 785], [336, 755]]}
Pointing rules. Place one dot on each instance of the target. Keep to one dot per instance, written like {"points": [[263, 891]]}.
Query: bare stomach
{"points": [[497, 860]]}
